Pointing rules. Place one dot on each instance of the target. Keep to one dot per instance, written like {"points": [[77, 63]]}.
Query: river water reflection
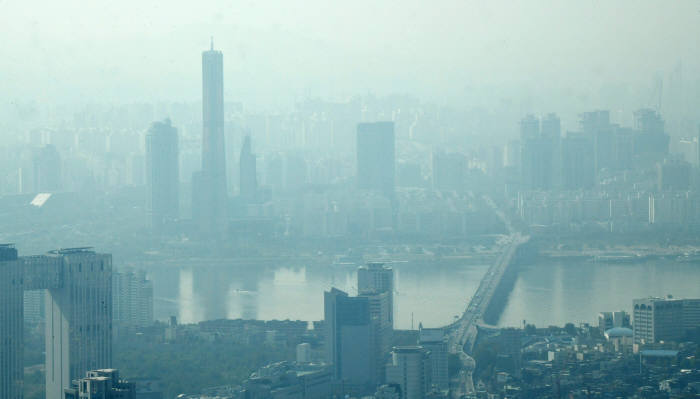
{"points": [[432, 293], [554, 293]]}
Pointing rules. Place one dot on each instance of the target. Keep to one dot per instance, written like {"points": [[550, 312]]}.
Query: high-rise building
{"points": [[539, 152], [248, 171], [578, 169], [650, 139], [162, 173], [664, 319], [100, 384], [47, 169], [376, 278], [353, 339], [673, 175], [11, 323], [210, 195], [78, 315], [410, 369], [449, 171], [376, 157], [596, 126], [132, 299], [434, 341]]}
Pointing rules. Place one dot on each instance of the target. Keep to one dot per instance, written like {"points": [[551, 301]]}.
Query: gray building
{"points": [[376, 157], [354, 341], [410, 369], [248, 171], [78, 315], [434, 341], [132, 299], [209, 194], [162, 173], [664, 319], [374, 278]]}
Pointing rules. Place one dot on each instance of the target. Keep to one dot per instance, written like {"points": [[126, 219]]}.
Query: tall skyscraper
{"points": [[47, 169], [539, 152], [211, 196], [162, 173], [410, 369], [11, 324], [78, 315], [248, 171], [132, 299], [434, 341], [376, 157], [377, 278], [354, 341]]}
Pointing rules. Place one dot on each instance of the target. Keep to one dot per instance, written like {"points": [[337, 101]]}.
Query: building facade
{"points": [[78, 315], [376, 157], [162, 173]]}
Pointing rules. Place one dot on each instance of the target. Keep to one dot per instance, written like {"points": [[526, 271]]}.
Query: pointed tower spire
{"points": [[212, 42]]}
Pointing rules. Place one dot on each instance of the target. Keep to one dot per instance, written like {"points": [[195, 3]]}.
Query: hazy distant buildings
{"points": [[664, 319], [410, 369], [578, 164], [248, 171], [78, 315], [132, 299], [539, 152], [376, 157], [596, 126], [673, 175], [354, 344], [449, 171], [650, 141], [162, 173], [209, 195], [47, 169]]}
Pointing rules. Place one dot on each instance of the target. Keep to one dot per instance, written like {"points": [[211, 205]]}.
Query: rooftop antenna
{"points": [[212, 42]]}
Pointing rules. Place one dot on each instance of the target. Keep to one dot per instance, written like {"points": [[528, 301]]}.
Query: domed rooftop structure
{"points": [[618, 332]]}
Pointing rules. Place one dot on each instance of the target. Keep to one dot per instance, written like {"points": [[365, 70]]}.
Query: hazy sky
{"points": [[276, 51]]}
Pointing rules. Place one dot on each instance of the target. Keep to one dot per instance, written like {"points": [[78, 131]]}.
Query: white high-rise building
{"points": [[78, 315], [132, 299], [410, 369], [375, 278], [434, 340]]}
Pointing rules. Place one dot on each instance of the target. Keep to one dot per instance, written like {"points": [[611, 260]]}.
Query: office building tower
{"points": [[375, 278], [353, 340], [410, 370], [304, 353], [434, 341], [132, 299], [650, 139], [162, 173], [449, 171], [376, 157], [100, 384], [248, 171], [664, 319], [539, 152], [47, 169], [578, 169], [673, 175], [595, 125], [11, 323], [209, 200], [78, 314]]}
